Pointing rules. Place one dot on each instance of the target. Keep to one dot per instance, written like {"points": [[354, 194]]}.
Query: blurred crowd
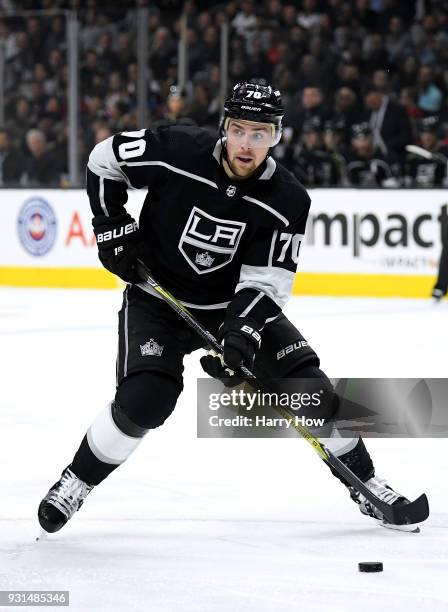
{"points": [[361, 81]]}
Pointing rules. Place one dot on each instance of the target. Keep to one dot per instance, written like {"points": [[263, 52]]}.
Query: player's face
{"points": [[362, 145], [429, 139], [247, 146]]}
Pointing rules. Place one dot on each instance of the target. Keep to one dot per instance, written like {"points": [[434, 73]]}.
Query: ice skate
{"points": [[381, 489], [438, 294], [64, 498]]}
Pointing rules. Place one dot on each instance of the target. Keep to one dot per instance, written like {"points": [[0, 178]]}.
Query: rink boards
{"points": [[358, 242]]}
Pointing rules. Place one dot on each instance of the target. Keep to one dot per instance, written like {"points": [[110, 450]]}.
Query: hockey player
{"points": [[424, 172], [366, 166], [441, 287], [221, 228], [312, 163]]}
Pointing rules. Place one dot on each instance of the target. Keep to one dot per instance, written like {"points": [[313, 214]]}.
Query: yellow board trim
{"points": [[306, 283], [367, 285], [79, 278]]}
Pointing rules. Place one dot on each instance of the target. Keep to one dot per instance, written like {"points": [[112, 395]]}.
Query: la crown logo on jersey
{"points": [[204, 259], [209, 243], [151, 348]]}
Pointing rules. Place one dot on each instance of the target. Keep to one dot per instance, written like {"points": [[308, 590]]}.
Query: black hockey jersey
{"points": [[427, 173], [376, 171], [207, 237]]}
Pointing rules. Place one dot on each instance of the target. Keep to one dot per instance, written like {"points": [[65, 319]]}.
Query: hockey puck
{"points": [[370, 566]]}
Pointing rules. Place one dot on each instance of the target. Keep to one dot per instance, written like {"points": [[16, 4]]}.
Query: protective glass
{"points": [[251, 134]]}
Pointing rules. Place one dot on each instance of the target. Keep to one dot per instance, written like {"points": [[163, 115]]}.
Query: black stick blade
{"points": [[410, 513], [401, 514]]}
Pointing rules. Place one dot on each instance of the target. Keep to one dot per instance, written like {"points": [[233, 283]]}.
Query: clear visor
{"points": [[250, 134]]}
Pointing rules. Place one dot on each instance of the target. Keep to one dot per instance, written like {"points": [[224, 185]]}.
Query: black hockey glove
{"points": [[118, 239], [240, 339]]}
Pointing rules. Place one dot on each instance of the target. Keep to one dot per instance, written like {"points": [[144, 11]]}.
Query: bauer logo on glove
{"points": [[119, 244]]}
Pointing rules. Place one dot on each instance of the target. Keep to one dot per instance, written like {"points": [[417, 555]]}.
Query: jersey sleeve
{"points": [[126, 160], [267, 273]]}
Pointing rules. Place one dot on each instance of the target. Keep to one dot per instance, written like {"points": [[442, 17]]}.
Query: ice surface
{"points": [[212, 525]]}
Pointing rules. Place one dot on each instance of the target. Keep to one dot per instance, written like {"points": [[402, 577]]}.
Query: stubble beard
{"points": [[241, 172]]}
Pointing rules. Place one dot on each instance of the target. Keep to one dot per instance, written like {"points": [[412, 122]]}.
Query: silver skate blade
{"points": [[42, 535], [403, 528]]}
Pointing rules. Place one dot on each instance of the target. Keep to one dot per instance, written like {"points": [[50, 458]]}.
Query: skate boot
{"points": [[381, 489], [63, 499], [438, 294]]}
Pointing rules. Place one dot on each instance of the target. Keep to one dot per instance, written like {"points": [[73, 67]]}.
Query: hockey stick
{"points": [[425, 154], [401, 514], [419, 151]]}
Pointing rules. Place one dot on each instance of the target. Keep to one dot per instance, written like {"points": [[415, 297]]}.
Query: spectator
{"points": [[161, 53], [41, 166], [312, 106], [308, 18], [245, 21], [406, 75], [196, 55], [408, 99], [102, 133], [90, 75], [346, 111], [398, 40], [380, 80], [56, 37], [375, 55], [90, 30], [20, 120], [201, 111], [349, 76], [289, 18], [391, 128], [107, 58], [36, 39], [125, 53], [309, 75], [176, 106], [259, 66], [211, 47], [429, 94], [274, 14], [55, 61], [11, 161], [21, 63], [364, 16]]}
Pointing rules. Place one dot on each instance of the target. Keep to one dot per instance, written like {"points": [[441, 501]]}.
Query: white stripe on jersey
{"points": [[268, 208], [274, 282], [252, 304], [196, 177]]}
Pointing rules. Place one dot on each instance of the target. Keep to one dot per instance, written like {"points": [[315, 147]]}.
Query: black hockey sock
{"points": [[88, 467], [358, 461]]}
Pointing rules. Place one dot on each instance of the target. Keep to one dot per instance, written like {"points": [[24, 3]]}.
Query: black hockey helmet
{"points": [[255, 102], [313, 124], [428, 124], [361, 130]]}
